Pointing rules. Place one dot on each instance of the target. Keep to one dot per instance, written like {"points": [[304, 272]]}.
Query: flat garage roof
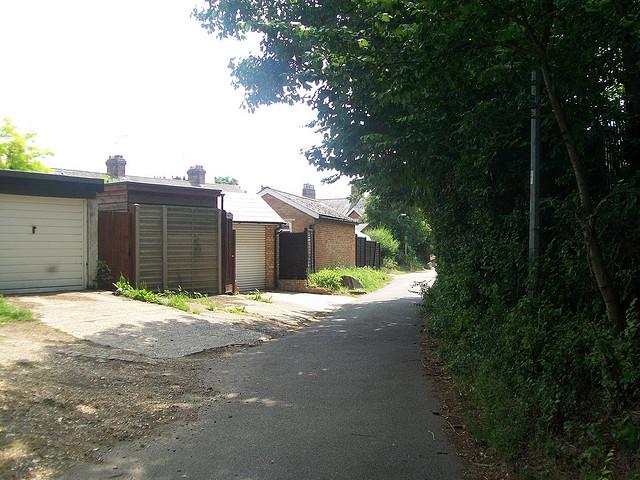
{"points": [[48, 184]]}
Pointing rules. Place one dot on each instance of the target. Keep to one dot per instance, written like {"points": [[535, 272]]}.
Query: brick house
{"points": [[333, 232], [353, 207]]}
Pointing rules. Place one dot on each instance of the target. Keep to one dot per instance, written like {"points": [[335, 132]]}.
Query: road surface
{"points": [[346, 398]]}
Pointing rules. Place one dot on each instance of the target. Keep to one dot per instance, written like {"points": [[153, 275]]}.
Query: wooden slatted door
{"points": [[148, 246], [178, 247], [192, 248]]}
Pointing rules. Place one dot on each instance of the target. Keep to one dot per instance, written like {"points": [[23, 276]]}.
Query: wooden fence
{"points": [[296, 254], [367, 253]]}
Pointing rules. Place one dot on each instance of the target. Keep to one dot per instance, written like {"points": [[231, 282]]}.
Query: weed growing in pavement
{"points": [[259, 296], [235, 309]]}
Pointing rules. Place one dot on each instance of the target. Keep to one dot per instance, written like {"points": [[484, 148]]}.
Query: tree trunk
{"points": [[597, 263]]}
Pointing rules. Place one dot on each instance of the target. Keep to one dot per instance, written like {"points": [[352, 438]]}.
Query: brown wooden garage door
{"points": [[178, 247]]}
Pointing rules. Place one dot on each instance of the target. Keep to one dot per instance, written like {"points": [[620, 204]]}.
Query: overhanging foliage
{"points": [[429, 101]]}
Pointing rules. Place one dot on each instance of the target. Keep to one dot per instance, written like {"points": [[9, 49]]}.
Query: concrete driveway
{"points": [[162, 332], [346, 398], [152, 330]]}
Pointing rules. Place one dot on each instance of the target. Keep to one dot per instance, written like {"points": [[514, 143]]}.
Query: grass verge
{"points": [[178, 299], [11, 313], [331, 278]]}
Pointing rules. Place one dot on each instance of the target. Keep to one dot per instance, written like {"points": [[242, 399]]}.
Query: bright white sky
{"points": [[143, 79]]}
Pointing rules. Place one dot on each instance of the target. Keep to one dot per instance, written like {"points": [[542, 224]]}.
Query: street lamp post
{"points": [[405, 217], [534, 176]]}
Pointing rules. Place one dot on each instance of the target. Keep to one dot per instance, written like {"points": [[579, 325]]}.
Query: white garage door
{"points": [[250, 257], [42, 244]]}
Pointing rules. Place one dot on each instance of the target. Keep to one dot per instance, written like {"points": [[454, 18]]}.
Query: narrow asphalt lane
{"points": [[346, 398]]}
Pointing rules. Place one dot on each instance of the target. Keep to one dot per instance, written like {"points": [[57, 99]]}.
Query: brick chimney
{"points": [[354, 191], [308, 191], [115, 165], [196, 174]]}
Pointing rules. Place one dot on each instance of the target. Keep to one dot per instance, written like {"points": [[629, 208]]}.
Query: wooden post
{"points": [[220, 282], [136, 220], [165, 250]]}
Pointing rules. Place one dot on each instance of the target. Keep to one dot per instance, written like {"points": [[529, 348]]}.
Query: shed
{"points": [[163, 237], [48, 232], [255, 225]]}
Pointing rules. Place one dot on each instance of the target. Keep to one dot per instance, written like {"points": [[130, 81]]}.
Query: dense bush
{"points": [[331, 278], [389, 263], [388, 243], [410, 261]]}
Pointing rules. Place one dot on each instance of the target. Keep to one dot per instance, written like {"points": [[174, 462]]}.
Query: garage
{"points": [[162, 236], [250, 257], [255, 225], [44, 238]]}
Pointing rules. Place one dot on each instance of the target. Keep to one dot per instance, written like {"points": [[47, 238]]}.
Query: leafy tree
{"points": [[226, 180], [17, 151], [428, 102], [367, 67], [388, 243], [403, 218]]}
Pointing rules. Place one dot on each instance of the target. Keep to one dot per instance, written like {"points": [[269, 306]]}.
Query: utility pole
{"points": [[534, 183]]}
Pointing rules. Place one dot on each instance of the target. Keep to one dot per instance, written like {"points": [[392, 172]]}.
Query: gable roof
{"points": [[345, 205], [250, 208], [148, 180], [310, 206]]}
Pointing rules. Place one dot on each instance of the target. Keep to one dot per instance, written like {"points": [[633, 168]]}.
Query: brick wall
{"points": [[335, 244], [270, 256], [301, 286], [300, 219]]}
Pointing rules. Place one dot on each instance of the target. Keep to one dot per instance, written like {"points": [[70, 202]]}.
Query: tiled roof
{"points": [[316, 206], [150, 180], [339, 204], [345, 205], [249, 207]]}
